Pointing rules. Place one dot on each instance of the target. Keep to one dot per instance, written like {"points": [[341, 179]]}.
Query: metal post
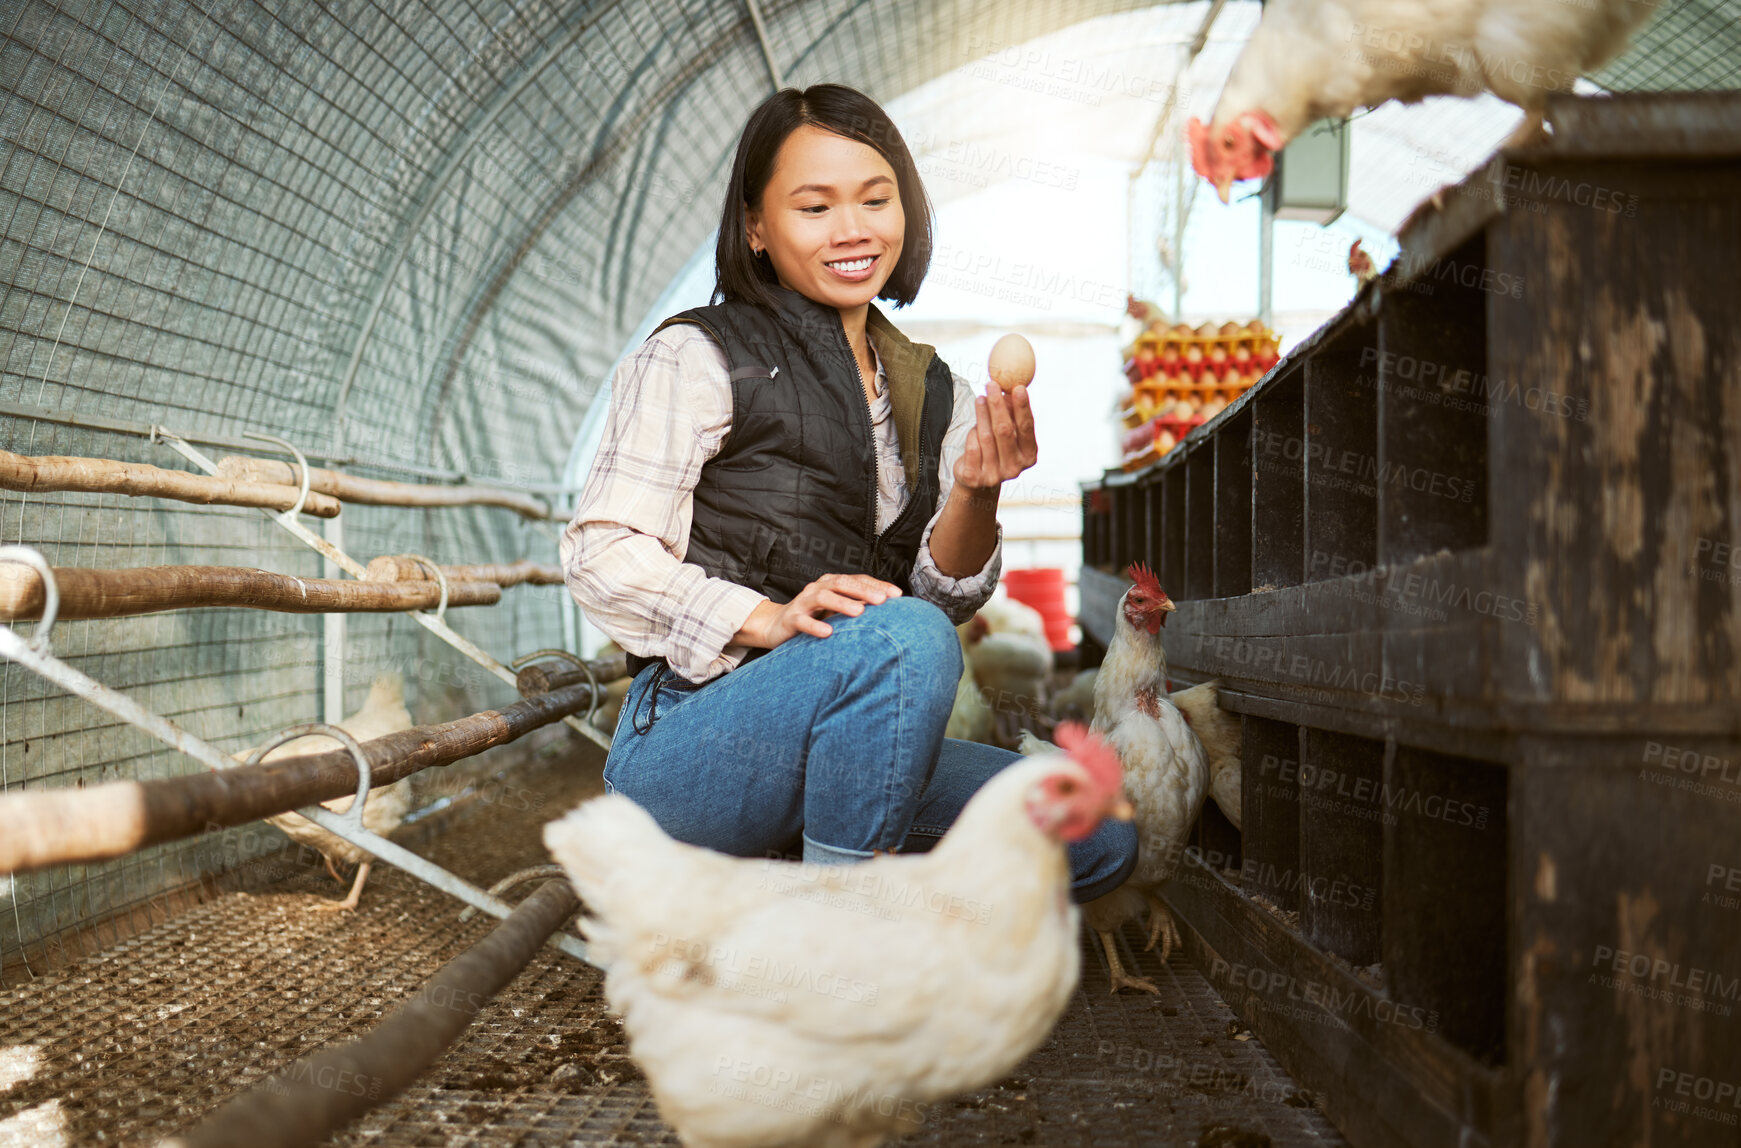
{"points": [[762, 36]]}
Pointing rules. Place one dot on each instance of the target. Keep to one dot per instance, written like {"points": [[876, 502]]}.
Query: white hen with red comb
{"points": [[774, 1004], [1166, 769], [1313, 59]]}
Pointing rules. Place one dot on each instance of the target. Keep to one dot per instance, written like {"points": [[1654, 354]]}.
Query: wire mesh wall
{"points": [[409, 237], [1690, 45]]}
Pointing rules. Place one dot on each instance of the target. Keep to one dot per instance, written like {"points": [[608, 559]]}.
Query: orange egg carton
{"points": [[1185, 352]]}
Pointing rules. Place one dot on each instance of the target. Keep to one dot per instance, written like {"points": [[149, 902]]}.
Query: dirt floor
{"points": [[143, 1039]]}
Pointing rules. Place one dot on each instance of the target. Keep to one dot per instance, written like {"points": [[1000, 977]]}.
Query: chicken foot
{"points": [[350, 902], [1115, 969], [1162, 928]]}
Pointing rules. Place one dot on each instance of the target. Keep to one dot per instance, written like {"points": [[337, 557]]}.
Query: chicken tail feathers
{"points": [[606, 835]]}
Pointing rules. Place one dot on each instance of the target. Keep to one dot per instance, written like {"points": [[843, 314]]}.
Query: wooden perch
{"points": [[303, 1105], [377, 491], [41, 473], [399, 568], [86, 593], [544, 677], [65, 826]]}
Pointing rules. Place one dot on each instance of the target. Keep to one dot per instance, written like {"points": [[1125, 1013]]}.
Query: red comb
{"points": [[1089, 750], [1145, 579]]}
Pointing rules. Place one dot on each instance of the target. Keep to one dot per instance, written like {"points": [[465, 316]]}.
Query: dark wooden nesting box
{"points": [[1468, 561]]}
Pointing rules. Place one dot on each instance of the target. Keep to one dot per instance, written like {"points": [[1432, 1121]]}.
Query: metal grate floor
{"points": [[141, 1040]]}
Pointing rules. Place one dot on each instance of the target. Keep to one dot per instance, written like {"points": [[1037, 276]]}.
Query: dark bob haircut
{"points": [[739, 275]]}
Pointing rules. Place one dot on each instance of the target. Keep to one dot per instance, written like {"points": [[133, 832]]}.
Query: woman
{"points": [[783, 456]]}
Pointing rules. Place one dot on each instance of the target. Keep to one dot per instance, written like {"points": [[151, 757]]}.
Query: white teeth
{"points": [[855, 265]]}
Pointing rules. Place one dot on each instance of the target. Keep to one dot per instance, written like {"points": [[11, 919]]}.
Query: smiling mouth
{"points": [[858, 266]]}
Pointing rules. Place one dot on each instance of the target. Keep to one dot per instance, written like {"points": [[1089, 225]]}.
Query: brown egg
{"points": [[1011, 363]]}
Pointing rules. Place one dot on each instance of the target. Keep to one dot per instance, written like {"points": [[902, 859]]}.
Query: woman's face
{"points": [[831, 204]]}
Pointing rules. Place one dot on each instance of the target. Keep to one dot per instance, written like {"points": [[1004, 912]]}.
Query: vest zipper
{"points": [[870, 525]]}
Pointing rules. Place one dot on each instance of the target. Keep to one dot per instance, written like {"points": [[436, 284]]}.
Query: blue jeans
{"points": [[826, 748]]}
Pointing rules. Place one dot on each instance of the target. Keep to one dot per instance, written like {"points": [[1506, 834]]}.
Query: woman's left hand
{"points": [[1001, 445]]}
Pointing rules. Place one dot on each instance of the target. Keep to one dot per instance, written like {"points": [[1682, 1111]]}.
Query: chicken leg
{"points": [[350, 902], [1104, 917], [1115, 970], [1162, 928]]}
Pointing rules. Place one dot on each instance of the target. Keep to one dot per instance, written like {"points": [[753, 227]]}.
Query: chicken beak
{"points": [[1223, 187], [1122, 810]]}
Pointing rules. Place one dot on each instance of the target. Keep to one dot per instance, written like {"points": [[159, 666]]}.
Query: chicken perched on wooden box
{"points": [[775, 1004], [382, 713], [1313, 59], [1166, 769]]}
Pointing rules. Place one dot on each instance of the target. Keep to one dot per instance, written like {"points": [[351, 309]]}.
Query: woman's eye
{"points": [[879, 202], [815, 207]]}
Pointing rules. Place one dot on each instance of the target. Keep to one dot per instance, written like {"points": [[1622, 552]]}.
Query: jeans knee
{"points": [[926, 634], [1103, 860]]}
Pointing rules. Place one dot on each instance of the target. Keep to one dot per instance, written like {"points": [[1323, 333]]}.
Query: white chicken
{"points": [[1012, 663], [383, 713], [1222, 736], [775, 1004], [1006, 615], [1075, 702], [1312, 59], [1166, 769], [1218, 730], [970, 716]]}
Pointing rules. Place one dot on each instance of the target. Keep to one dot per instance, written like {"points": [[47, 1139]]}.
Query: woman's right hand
{"points": [[771, 623]]}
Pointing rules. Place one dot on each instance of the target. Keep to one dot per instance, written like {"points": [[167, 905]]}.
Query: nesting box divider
{"points": [[1171, 525], [1199, 518], [1278, 479], [1232, 523]]}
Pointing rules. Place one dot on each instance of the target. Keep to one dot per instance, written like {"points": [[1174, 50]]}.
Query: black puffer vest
{"points": [[792, 493]]}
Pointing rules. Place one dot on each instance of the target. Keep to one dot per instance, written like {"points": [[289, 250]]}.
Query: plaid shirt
{"points": [[622, 555]]}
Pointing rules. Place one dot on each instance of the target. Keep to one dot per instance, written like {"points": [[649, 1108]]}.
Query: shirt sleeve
{"points": [[960, 598], [622, 554]]}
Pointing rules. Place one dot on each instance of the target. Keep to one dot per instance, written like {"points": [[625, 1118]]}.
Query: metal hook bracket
{"points": [[591, 678], [349, 825], [31, 556], [365, 774], [440, 578], [301, 465], [519, 878]]}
